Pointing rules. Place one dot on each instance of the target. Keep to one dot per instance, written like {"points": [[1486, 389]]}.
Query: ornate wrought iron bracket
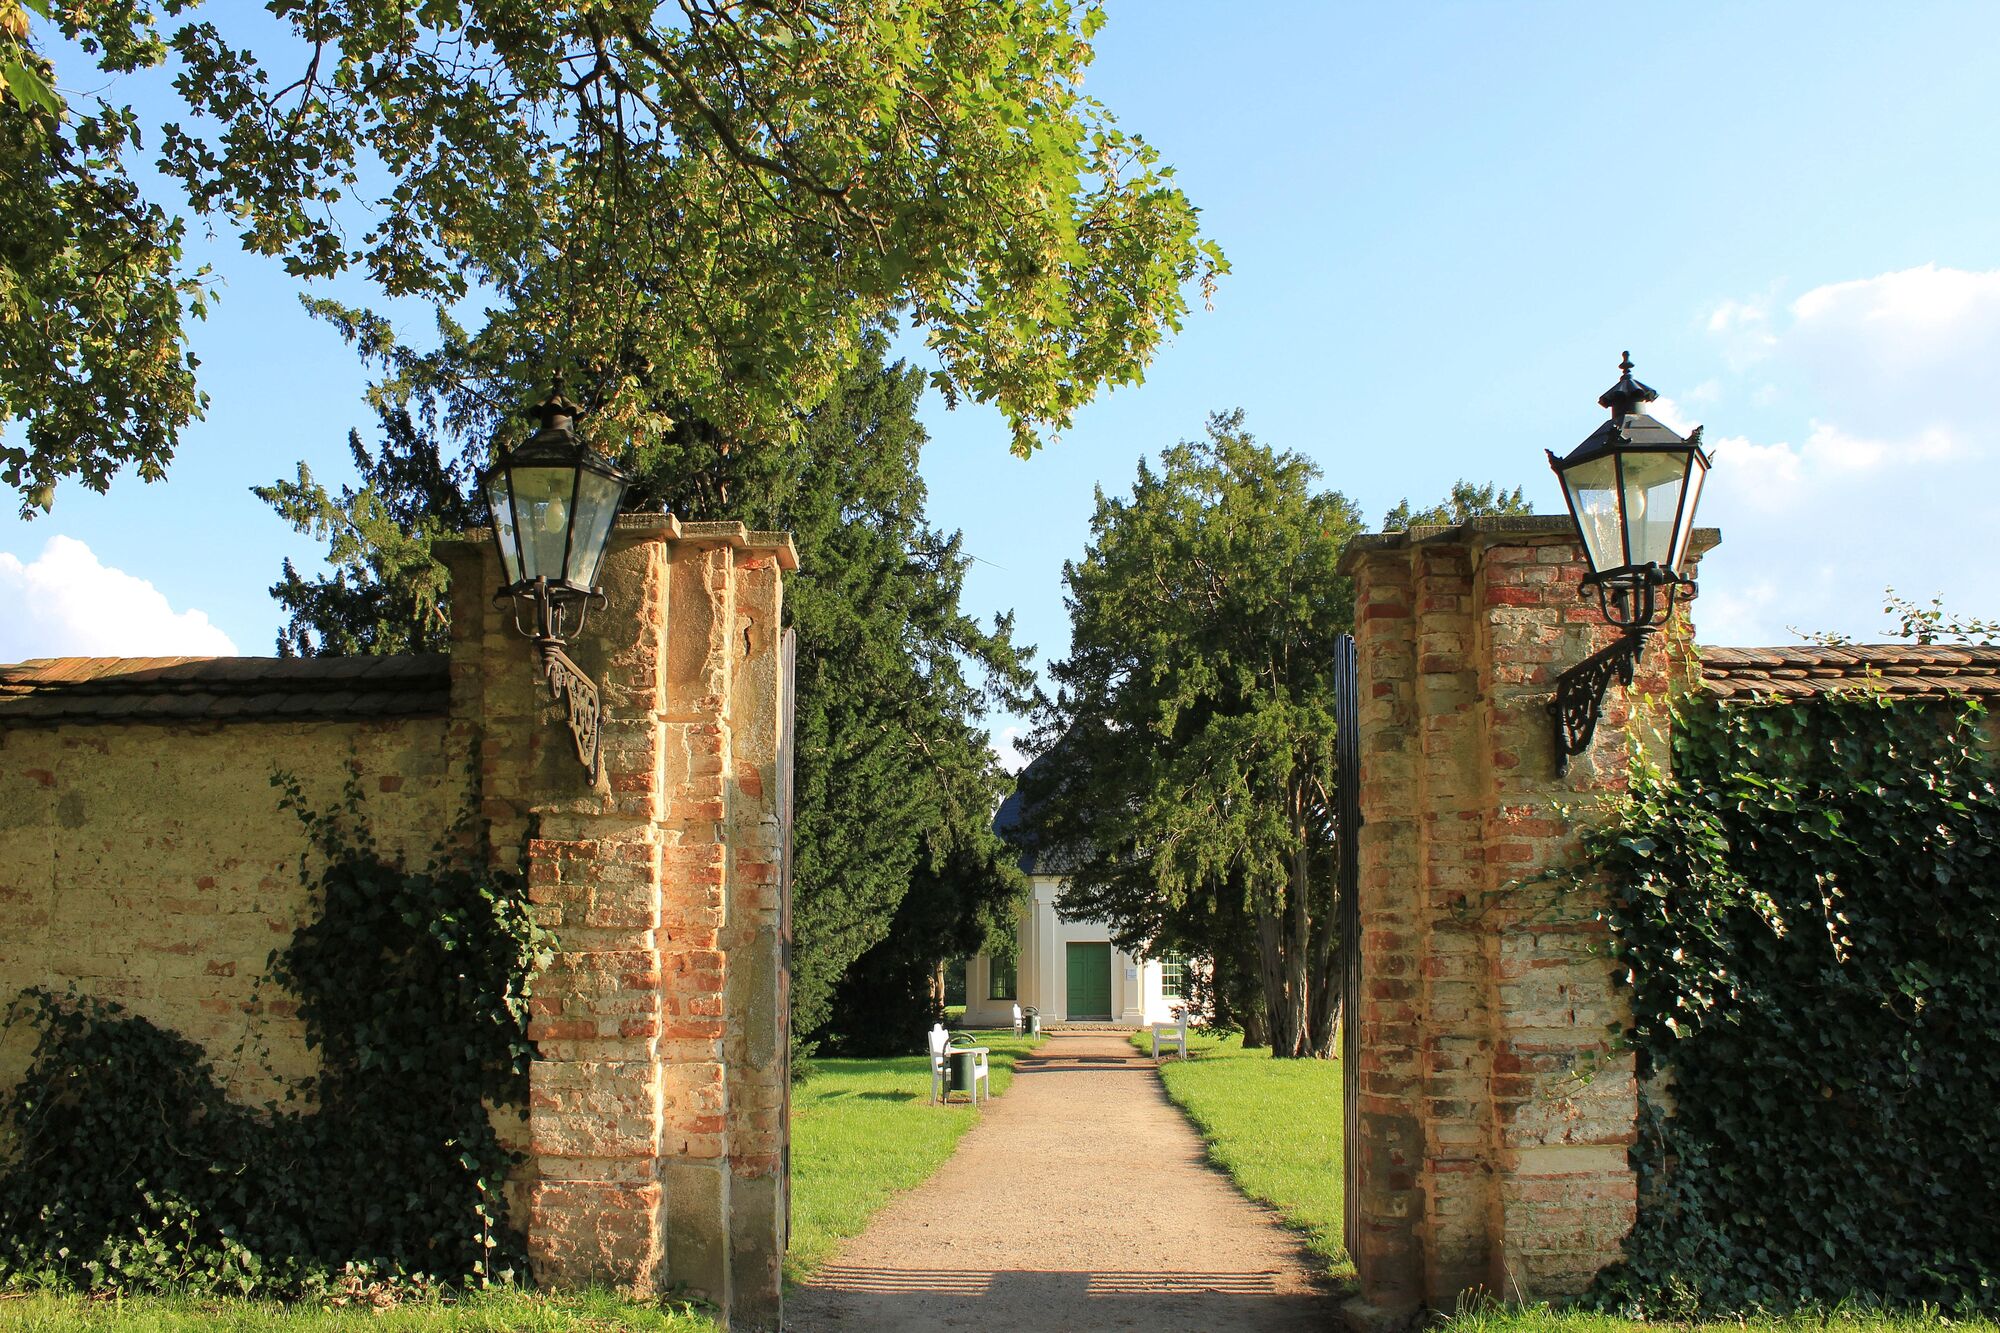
{"points": [[579, 693], [1580, 691], [549, 619]]}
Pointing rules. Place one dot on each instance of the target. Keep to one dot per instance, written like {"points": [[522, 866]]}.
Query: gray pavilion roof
{"points": [[1015, 823]]}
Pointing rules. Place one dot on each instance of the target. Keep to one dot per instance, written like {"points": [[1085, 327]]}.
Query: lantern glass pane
{"points": [[503, 526], [1593, 497], [1697, 474], [1652, 502], [597, 499], [542, 499]]}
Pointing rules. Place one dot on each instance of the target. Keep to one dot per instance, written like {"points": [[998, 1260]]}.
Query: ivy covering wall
{"points": [[125, 1166], [1808, 917]]}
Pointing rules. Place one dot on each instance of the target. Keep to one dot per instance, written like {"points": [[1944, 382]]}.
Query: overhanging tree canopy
{"points": [[708, 203]]}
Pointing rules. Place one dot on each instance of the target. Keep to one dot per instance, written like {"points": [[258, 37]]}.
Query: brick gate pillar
{"points": [[653, 1135], [1494, 1113]]}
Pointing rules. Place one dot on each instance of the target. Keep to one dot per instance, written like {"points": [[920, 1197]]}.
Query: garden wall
{"points": [[143, 854], [144, 858], [1807, 914], [1496, 1090]]}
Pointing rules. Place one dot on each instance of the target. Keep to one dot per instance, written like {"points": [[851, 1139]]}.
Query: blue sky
{"points": [[1445, 222]]}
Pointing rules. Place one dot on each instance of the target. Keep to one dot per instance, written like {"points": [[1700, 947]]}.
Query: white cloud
{"points": [[1918, 307], [1784, 476], [1667, 410], [1890, 356], [1743, 329], [1896, 450], [1733, 315], [1735, 612], [1007, 745], [68, 603]]}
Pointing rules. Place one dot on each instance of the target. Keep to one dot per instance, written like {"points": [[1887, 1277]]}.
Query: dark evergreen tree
{"points": [[1186, 759], [962, 901], [892, 770], [1194, 719], [383, 592]]}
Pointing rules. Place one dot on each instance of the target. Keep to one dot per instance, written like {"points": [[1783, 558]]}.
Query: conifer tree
{"points": [[1195, 716], [893, 771]]}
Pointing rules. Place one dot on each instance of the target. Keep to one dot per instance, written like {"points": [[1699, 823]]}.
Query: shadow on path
{"points": [[1026, 1301]]}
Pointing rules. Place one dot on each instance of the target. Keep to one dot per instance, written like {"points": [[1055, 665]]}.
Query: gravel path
{"points": [[1081, 1201]]}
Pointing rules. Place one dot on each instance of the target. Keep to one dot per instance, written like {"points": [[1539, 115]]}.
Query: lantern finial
{"points": [[556, 412], [1626, 394]]}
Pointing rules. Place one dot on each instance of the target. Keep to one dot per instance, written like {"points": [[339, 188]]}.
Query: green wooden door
{"points": [[1090, 981]]}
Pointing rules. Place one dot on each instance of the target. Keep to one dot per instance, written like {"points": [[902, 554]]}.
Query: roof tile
{"points": [[54, 691], [1900, 670]]}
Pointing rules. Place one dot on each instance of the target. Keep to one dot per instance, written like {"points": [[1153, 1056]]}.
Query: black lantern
{"points": [[1632, 487], [552, 502]]}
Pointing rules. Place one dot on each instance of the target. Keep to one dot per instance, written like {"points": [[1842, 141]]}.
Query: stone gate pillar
{"points": [[1494, 1113], [654, 1134]]}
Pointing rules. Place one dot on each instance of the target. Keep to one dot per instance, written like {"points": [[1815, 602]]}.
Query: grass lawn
{"points": [[498, 1312], [862, 1132], [1273, 1125]]}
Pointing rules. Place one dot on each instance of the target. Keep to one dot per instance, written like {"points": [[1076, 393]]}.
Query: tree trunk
{"points": [[1254, 1035], [1246, 988], [1239, 980], [1280, 1021]]}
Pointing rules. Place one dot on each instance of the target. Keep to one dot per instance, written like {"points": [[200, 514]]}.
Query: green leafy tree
{"points": [[1465, 502], [23, 77], [94, 294], [1195, 715], [892, 770], [705, 207]]}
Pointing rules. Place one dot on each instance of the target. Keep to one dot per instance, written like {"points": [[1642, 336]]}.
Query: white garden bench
{"points": [[1172, 1032]]}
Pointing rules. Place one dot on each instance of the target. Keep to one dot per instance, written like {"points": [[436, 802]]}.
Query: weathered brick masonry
{"points": [[143, 858], [1494, 1114]]}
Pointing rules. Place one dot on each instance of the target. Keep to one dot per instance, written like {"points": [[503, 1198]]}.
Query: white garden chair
{"points": [[939, 1040], [1017, 1020], [1172, 1032], [943, 1048]]}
